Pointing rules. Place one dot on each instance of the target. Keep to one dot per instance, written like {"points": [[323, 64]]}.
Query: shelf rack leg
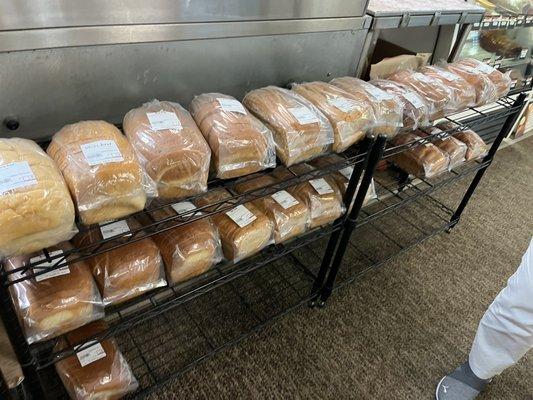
{"points": [[374, 155], [334, 238], [504, 131], [18, 341]]}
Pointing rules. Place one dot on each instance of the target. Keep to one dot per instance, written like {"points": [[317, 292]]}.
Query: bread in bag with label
{"points": [[423, 160], [127, 271], [241, 144], [388, 109], [476, 147], [244, 230], [501, 81], [349, 114], [472, 72], [101, 170], [56, 302], [452, 147], [105, 373], [288, 214], [188, 250], [301, 131], [322, 195], [170, 147], [36, 210]]}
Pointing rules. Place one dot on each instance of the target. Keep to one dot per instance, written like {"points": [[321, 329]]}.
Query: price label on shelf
{"points": [[231, 105], [241, 216], [504, 24], [163, 120], [321, 186], [48, 264], [523, 53], [477, 25], [91, 354], [486, 24], [114, 229], [303, 115], [512, 23], [495, 23], [183, 206], [101, 152], [347, 172], [16, 175], [285, 199]]}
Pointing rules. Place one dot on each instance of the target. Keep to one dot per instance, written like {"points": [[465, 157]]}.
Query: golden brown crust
{"points": [[423, 161]]}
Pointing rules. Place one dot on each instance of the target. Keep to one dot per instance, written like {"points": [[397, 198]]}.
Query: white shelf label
{"points": [[347, 172], [91, 354], [378, 94], [16, 175], [162, 120], [414, 99], [101, 152], [114, 229], [303, 115], [241, 216], [183, 207], [523, 53], [48, 264], [321, 186], [231, 105], [285, 199], [485, 68], [343, 104]]}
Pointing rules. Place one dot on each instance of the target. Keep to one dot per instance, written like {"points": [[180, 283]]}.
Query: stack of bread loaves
{"points": [[56, 301], [241, 144], [101, 170], [98, 371], [288, 215], [36, 210], [301, 131], [188, 250], [127, 271], [476, 147], [453, 148], [349, 114], [388, 110], [243, 230], [170, 147]]}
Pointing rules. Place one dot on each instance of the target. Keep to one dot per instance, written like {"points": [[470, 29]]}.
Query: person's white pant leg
{"points": [[505, 332]]}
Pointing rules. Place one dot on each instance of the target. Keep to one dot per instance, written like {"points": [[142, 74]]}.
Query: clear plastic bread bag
{"points": [[388, 109], [127, 271], [437, 95], [55, 301], [244, 230], [301, 131], [476, 147], [321, 195], [98, 370], [453, 148], [416, 111], [36, 210], [350, 115], [289, 215], [422, 160], [101, 170], [241, 144], [170, 147], [188, 250], [464, 94]]}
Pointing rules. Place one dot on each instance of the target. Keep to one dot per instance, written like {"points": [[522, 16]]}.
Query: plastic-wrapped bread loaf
{"points": [[453, 148], [463, 93], [96, 372], [188, 250], [388, 110], [127, 271], [244, 230], [36, 210], [476, 147], [56, 301], [415, 108], [301, 131], [288, 214], [423, 160], [170, 147], [241, 143], [438, 96], [101, 170], [322, 195], [349, 115]]}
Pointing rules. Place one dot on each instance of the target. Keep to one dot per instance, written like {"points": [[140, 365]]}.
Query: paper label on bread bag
{"points": [[48, 264], [284, 199], [343, 104], [321, 186], [91, 354], [449, 75], [414, 99], [183, 207], [485, 68], [378, 94], [303, 114], [101, 152], [231, 105], [163, 120], [241, 216], [347, 172], [16, 175], [114, 229]]}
